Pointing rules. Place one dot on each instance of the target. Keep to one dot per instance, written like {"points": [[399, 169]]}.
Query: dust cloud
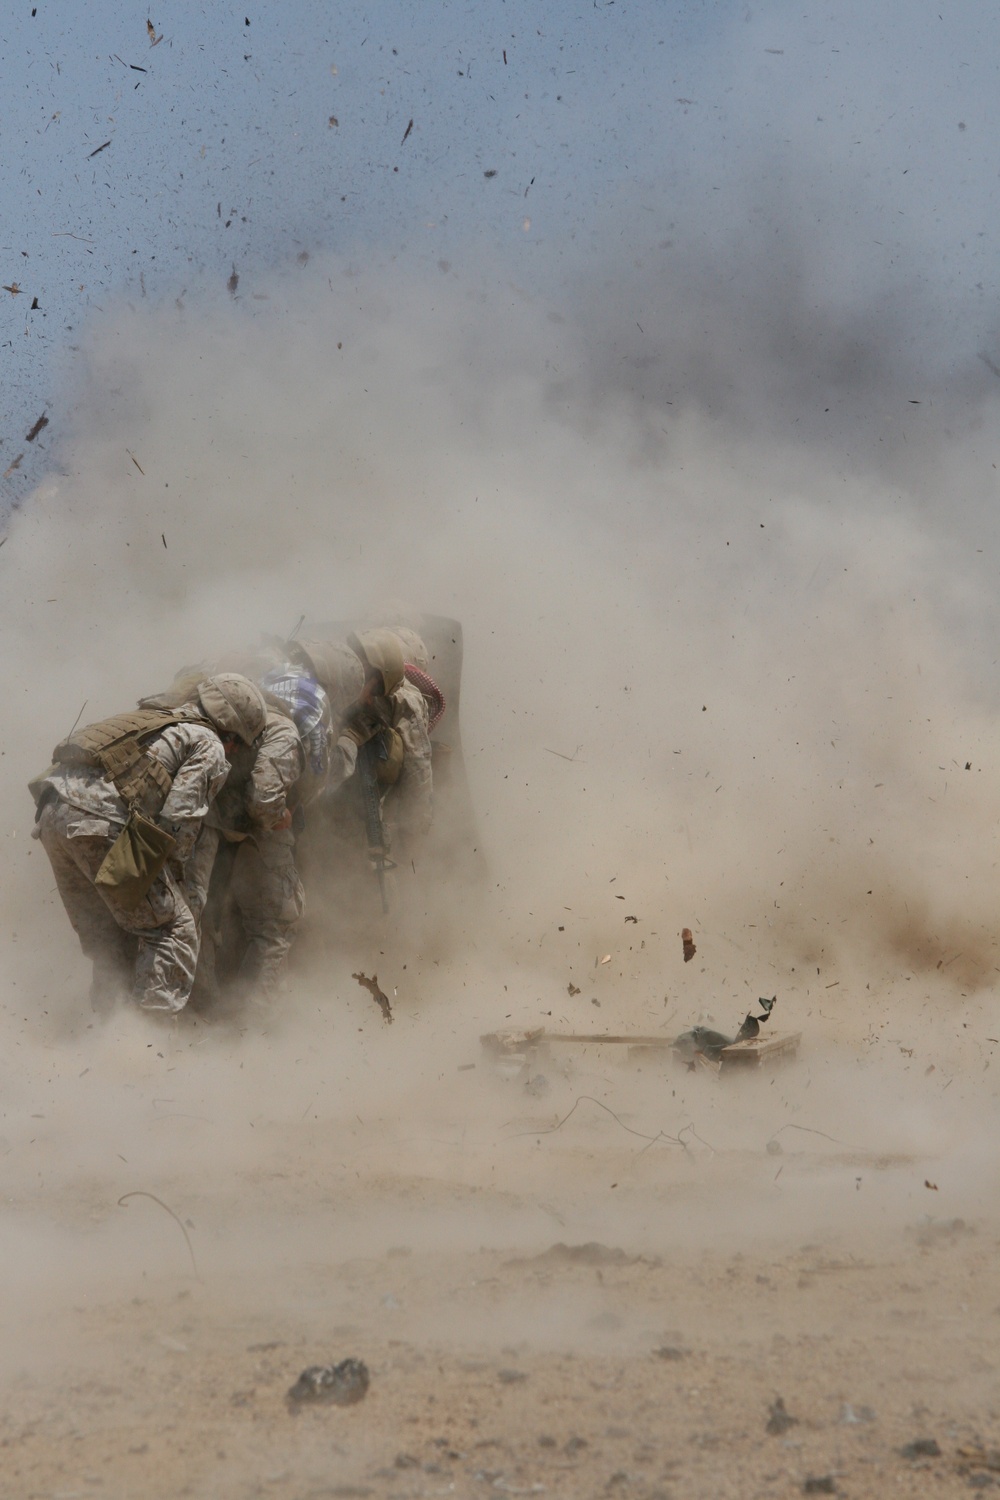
{"points": [[714, 677]]}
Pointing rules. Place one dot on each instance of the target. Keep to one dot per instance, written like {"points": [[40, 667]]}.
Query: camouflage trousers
{"points": [[269, 897], [150, 952], [262, 903]]}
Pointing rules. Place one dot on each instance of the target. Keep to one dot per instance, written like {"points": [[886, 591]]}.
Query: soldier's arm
{"points": [[194, 756], [279, 764], [343, 760], [413, 794]]}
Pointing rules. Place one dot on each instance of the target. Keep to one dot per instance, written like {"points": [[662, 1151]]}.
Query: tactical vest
{"points": [[117, 747]]}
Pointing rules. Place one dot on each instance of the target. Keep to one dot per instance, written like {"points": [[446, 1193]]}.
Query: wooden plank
{"points": [[503, 1041], [755, 1050], [615, 1041]]}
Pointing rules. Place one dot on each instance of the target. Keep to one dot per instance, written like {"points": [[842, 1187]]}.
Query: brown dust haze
{"points": [[715, 676]]}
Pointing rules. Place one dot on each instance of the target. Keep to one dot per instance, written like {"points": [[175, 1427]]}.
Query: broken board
{"points": [[761, 1051]]}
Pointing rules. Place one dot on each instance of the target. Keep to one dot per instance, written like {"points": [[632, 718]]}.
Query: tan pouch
{"points": [[135, 859], [387, 770]]}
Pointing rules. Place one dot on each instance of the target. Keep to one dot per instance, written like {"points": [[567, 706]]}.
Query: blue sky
{"points": [[641, 146]]}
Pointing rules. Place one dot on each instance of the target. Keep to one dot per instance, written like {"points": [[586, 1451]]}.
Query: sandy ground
{"points": [[598, 1284]]}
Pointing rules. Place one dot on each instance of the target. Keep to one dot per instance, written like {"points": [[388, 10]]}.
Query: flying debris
{"points": [[406, 133], [99, 150], [379, 996], [13, 288], [233, 282], [687, 939], [43, 421]]}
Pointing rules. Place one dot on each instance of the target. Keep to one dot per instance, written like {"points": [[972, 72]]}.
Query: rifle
{"points": [[369, 754]]}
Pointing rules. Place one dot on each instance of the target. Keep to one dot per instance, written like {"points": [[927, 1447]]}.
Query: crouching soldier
{"points": [[300, 755], [120, 814], [418, 706], [256, 900]]}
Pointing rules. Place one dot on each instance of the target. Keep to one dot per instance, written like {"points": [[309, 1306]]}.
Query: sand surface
{"points": [[594, 1284]]}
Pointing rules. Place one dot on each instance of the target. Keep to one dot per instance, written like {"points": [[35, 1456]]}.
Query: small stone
{"points": [[922, 1448], [511, 1377], [343, 1384], [819, 1485], [779, 1420]]}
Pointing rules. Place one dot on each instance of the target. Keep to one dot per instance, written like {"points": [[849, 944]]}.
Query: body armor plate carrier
{"points": [[117, 747]]}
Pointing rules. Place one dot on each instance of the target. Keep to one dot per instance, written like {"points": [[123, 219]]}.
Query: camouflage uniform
{"points": [[264, 884], [81, 816], [409, 804]]}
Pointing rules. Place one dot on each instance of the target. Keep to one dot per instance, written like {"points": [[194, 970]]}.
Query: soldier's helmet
{"points": [[381, 650], [334, 665], [414, 649], [234, 705]]}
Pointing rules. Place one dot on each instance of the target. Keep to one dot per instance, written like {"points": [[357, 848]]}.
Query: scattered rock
{"points": [[779, 1420], [575, 1444], [546, 1442], [406, 1461], [671, 1352], [822, 1484], [922, 1448], [342, 1384], [511, 1377]]}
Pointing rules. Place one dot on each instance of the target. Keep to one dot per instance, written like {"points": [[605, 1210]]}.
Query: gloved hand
{"points": [[363, 720]]}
